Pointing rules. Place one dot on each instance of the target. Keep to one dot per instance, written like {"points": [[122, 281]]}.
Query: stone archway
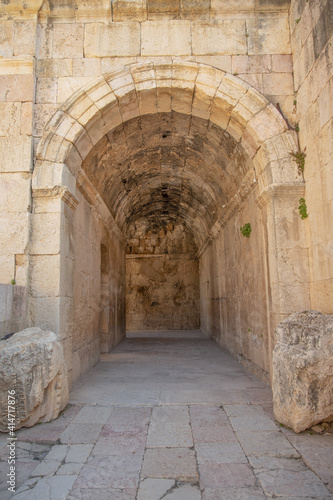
{"points": [[233, 166]]}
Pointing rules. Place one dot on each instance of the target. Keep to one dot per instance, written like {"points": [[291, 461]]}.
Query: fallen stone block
{"points": [[33, 379], [303, 370]]}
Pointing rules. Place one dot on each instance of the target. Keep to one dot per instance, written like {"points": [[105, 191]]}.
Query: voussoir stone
{"points": [[32, 364], [303, 370]]}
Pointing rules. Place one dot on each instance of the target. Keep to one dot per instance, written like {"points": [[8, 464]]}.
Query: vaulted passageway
{"points": [[155, 167], [166, 179]]}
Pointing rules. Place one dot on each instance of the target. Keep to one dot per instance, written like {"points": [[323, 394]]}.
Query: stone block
{"points": [[32, 365], [7, 268], [251, 64], [24, 37], [123, 10], [49, 68], [111, 63], [68, 40], [86, 67], [118, 39], [282, 63], [278, 84], [10, 118], [45, 236], [45, 276], [46, 90], [321, 294], [14, 232], [85, 11], [15, 192], [17, 66], [16, 154], [67, 86], [219, 7], [6, 38], [221, 62], [194, 9], [16, 88], [253, 79], [215, 475], [303, 370], [45, 41], [163, 9], [26, 118], [178, 463], [52, 312], [161, 38], [219, 37], [154, 488], [42, 114], [268, 35]]}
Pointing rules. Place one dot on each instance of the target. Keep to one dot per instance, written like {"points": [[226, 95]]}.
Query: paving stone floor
{"points": [[168, 415]]}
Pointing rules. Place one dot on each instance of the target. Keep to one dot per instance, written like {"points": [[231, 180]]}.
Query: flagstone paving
{"points": [[168, 415]]}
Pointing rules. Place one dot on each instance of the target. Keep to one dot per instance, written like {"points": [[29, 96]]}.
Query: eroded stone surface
{"points": [[303, 370], [32, 364]]}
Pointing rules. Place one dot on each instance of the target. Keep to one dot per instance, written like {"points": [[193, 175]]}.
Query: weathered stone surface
{"points": [[13, 304], [32, 364], [303, 370]]}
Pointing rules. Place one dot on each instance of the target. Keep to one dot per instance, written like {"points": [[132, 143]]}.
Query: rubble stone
{"points": [[32, 364], [303, 370]]}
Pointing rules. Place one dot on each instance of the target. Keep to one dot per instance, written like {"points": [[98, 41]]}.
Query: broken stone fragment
{"points": [[33, 379], [303, 370]]}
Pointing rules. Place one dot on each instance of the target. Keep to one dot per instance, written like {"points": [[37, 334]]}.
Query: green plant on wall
{"points": [[299, 158], [246, 230], [13, 282], [302, 208]]}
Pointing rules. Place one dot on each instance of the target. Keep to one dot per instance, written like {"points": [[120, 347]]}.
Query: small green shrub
{"points": [[13, 282], [246, 230], [302, 208], [299, 158]]}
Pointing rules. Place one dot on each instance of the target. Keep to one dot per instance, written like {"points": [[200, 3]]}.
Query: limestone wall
{"points": [[162, 280], [234, 289], [98, 304], [312, 41], [252, 43]]}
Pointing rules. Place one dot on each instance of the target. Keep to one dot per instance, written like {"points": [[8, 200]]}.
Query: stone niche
{"points": [[162, 278], [303, 370], [32, 364]]}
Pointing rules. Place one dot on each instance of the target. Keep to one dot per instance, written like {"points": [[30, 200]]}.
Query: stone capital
{"points": [[57, 192]]}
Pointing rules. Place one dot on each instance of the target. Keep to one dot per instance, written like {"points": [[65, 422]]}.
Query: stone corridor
{"points": [[169, 415]]}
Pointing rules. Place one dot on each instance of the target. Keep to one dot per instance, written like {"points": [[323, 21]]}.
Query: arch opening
{"points": [[169, 160]]}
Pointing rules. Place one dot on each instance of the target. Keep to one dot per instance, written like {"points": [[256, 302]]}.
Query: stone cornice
{"points": [[278, 191]]}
